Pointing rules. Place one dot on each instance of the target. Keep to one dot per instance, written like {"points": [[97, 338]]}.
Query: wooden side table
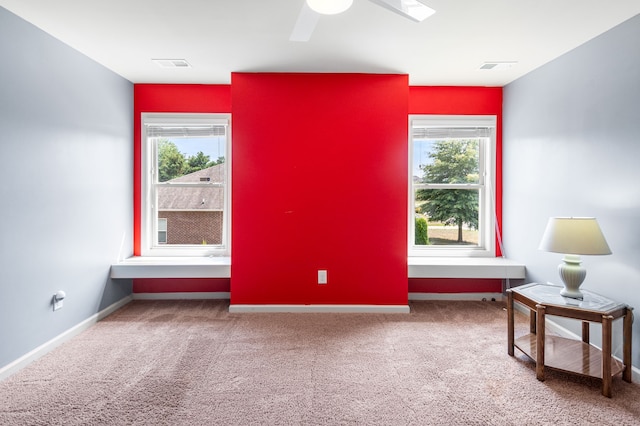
{"points": [[569, 355]]}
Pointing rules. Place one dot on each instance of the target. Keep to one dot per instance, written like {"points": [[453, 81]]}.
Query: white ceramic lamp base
{"points": [[572, 275]]}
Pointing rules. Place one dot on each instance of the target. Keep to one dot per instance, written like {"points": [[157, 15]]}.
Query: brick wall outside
{"points": [[193, 227]]}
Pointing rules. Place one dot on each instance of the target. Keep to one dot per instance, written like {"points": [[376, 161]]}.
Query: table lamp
{"points": [[573, 236]]}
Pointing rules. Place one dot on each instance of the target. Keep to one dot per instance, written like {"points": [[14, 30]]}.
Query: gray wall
{"points": [[572, 148], [66, 191]]}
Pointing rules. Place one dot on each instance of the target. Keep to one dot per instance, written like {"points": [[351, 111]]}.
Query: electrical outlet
{"points": [[322, 276], [57, 299], [57, 304]]}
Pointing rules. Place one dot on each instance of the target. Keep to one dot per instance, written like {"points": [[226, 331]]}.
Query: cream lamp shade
{"points": [[573, 236], [329, 7]]}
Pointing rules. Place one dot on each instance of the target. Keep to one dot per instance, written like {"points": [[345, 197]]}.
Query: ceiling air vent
{"points": [[505, 65], [172, 63]]}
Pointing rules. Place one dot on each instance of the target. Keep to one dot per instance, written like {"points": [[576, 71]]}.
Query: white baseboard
{"points": [[47, 347], [456, 296], [227, 295], [182, 296], [564, 332], [377, 309]]}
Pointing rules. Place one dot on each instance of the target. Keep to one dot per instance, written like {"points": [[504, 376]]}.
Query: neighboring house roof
{"points": [[199, 198]]}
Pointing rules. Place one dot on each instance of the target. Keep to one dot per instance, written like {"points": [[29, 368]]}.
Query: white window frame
{"points": [[486, 187], [149, 229]]}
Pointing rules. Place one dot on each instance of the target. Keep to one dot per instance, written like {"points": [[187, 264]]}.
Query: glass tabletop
{"points": [[550, 295]]}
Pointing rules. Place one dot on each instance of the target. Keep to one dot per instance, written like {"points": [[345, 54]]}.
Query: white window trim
{"points": [[148, 228], [487, 196]]}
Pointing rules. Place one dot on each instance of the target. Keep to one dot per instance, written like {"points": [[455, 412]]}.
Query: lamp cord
{"points": [[498, 230]]}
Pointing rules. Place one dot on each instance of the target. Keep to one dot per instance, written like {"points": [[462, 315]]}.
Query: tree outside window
{"points": [[453, 163], [172, 163]]}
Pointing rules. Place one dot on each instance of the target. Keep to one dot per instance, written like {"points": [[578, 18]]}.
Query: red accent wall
{"points": [[324, 187], [454, 285], [195, 98], [319, 182], [450, 100], [456, 100], [187, 285]]}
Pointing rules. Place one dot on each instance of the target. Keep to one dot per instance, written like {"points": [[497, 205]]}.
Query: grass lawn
{"points": [[449, 236]]}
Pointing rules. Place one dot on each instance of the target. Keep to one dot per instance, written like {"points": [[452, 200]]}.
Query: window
{"points": [[452, 181], [185, 203]]}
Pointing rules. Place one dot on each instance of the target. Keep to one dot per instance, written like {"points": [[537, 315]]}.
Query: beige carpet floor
{"points": [[193, 363]]}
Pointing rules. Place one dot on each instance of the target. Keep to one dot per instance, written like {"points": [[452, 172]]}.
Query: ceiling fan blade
{"points": [[306, 23], [411, 9]]}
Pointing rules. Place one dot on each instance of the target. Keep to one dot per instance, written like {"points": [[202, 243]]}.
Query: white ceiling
{"points": [[218, 37]]}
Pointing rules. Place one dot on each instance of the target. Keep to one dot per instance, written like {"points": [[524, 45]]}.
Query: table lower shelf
{"points": [[565, 355]]}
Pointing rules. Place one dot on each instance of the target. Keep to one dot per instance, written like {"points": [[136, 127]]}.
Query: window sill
{"points": [[172, 267], [465, 267], [220, 267]]}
